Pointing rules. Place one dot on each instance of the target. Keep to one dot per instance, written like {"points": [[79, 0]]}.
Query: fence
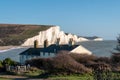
{"points": [[23, 68]]}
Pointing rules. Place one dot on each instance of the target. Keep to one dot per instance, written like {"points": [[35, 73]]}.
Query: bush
{"points": [[1, 65], [103, 59], [115, 58], [65, 63], [61, 64], [116, 67], [83, 58], [41, 63], [101, 71], [8, 61]]}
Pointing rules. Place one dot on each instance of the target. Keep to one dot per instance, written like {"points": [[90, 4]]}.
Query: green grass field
{"points": [[10, 34], [72, 78], [57, 78]]}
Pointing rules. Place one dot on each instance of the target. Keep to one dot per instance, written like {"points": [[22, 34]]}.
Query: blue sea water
{"points": [[13, 54], [98, 48]]}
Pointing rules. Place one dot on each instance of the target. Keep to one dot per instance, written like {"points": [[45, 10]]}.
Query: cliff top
{"points": [[16, 34]]}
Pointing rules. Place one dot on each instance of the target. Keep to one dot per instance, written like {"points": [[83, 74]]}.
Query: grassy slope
{"points": [[15, 34], [80, 77]]}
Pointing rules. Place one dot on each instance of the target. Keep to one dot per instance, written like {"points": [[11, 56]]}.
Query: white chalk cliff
{"points": [[51, 35], [98, 39]]}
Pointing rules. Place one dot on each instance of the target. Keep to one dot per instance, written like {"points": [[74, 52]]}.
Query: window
{"points": [[43, 53], [40, 54], [48, 54]]}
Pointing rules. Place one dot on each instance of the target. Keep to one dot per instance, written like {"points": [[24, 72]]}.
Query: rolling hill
{"points": [[16, 34]]}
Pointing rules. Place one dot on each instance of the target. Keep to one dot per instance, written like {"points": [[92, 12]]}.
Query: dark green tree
{"points": [[8, 61], [118, 45], [1, 65]]}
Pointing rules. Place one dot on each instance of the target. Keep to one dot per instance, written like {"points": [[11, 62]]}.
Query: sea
{"points": [[98, 48]]}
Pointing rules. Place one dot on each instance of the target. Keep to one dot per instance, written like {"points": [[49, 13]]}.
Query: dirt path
{"points": [[13, 77]]}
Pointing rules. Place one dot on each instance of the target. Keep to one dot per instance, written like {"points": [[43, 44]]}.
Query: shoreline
{"points": [[6, 47]]}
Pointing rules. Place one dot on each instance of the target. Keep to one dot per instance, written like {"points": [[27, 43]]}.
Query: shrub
{"points": [[115, 58], [63, 63], [116, 67], [101, 71], [1, 65], [83, 58], [41, 63], [101, 66], [103, 59], [8, 61]]}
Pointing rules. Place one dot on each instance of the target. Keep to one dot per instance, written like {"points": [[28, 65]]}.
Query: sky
{"points": [[81, 17]]}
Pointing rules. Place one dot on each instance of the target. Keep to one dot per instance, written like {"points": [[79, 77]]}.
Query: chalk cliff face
{"points": [[98, 39], [51, 35]]}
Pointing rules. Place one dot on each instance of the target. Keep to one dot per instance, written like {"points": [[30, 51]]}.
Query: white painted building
{"points": [[51, 51]]}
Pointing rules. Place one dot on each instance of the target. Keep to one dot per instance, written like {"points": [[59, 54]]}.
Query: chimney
{"points": [[58, 42], [35, 44], [71, 42], [45, 43]]}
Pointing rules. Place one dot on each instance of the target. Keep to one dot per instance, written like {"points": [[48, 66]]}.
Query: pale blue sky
{"points": [[81, 17]]}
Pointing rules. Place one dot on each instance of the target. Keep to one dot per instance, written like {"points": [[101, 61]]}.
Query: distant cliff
{"points": [[94, 38], [25, 35], [52, 34]]}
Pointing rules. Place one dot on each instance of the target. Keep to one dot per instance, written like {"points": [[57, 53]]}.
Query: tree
{"points": [[1, 65], [8, 61], [118, 40]]}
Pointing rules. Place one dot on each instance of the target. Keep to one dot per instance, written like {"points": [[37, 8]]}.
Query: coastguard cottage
{"points": [[51, 50]]}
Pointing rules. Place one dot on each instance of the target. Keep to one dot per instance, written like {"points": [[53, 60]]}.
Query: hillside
{"points": [[16, 34]]}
